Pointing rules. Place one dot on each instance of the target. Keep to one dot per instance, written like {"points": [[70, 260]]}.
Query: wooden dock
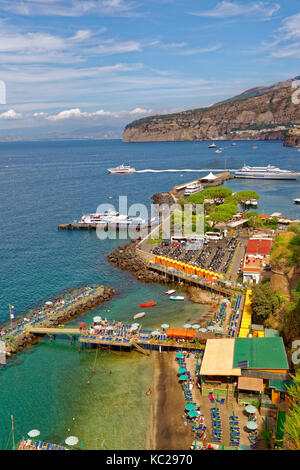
{"points": [[144, 346], [177, 277]]}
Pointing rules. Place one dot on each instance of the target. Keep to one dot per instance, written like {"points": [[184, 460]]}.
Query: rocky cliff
{"points": [[259, 114], [292, 138]]}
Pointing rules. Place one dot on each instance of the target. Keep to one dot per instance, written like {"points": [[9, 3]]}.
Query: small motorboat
{"points": [[139, 315], [297, 201], [212, 146], [177, 297], [148, 304], [218, 151], [170, 292]]}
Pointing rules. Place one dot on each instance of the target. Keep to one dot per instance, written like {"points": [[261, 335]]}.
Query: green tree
{"points": [[264, 302], [244, 196], [292, 422], [231, 208], [295, 228], [220, 216], [197, 198], [217, 194]]}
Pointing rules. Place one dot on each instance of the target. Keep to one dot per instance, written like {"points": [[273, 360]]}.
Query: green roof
{"points": [[271, 333], [261, 353], [280, 385]]}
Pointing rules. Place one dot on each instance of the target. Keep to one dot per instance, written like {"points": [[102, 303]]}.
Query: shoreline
{"points": [[167, 425], [125, 257]]}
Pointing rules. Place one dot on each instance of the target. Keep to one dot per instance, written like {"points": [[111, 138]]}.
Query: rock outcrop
{"points": [[266, 116], [292, 138], [284, 278], [125, 257]]}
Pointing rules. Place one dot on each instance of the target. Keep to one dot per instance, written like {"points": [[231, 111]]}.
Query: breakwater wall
{"points": [[17, 340]]}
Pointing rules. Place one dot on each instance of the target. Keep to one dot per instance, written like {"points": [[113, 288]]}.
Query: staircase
{"points": [[141, 350]]}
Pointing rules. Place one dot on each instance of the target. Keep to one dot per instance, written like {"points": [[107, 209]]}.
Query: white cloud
{"points": [[228, 9], [76, 113], [290, 29], [200, 51], [70, 8], [285, 43], [111, 46], [10, 114]]}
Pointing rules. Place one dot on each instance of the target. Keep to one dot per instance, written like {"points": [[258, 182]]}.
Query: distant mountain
{"points": [[263, 113]]}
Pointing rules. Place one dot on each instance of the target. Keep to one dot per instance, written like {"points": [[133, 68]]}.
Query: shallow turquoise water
{"points": [[43, 184]]}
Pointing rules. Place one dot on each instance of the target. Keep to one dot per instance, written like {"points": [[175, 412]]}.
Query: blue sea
{"points": [[43, 184]]}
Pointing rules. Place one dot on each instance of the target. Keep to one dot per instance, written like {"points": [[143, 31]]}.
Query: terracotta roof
{"points": [[259, 246]]}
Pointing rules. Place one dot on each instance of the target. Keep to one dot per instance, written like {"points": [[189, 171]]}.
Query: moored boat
{"points": [[297, 201], [139, 315], [170, 292], [148, 304], [269, 172], [177, 297]]}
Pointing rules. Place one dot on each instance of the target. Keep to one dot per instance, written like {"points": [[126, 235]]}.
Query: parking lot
{"points": [[222, 256]]}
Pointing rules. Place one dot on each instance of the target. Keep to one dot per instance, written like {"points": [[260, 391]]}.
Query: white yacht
{"points": [[269, 172], [212, 146], [218, 151], [297, 201], [193, 188], [122, 169]]}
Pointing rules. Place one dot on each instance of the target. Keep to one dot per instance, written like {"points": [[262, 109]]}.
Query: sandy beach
{"points": [[167, 425]]}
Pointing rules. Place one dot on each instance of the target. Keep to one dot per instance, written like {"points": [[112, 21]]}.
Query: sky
{"points": [[88, 67]]}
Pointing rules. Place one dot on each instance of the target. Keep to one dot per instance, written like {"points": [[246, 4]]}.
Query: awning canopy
{"points": [[180, 333], [209, 177], [251, 384]]}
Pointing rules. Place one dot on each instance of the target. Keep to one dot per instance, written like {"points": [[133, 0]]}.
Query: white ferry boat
{"points": [[111, 218], [122, 169], [193, 188], [269, 172]]}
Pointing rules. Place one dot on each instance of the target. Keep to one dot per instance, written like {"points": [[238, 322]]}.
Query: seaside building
{"points": [[256, 259], [248, 369]]}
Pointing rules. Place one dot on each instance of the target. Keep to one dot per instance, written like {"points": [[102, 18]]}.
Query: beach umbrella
{"points": [[190, 406], [187, 326], [193, 414], [71, 440], [182, 370], [165, 326], [251, 409], [155, 333], [81, 324], [211, 328], [219, 328], [203, 330], [196, 326], [134, 328], [97, 319], [251, 425], [135, 324], [183, 377], [49, 302], [179, 356], [34, 433]]}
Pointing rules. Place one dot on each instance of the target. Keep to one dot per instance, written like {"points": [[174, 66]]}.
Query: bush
{"points": [[264, 302]]}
